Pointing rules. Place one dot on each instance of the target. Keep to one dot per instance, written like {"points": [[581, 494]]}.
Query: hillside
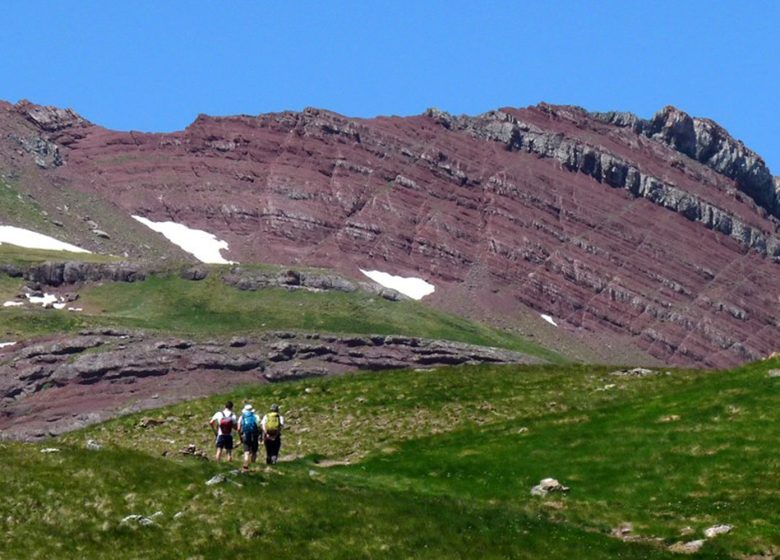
{"points": [[655, 239], [426, 465], [78, 352]]}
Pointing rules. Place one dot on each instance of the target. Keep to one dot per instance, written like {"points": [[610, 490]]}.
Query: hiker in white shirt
{"points": [[223, 423], [272, 425]]}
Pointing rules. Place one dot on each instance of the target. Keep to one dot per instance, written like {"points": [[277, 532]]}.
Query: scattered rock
{"points": [[547, 486], [622, 530], [689, 547], [634, 372], [150, 422], [774, 373], [195, 273], [687, 531], [251, 530], [192, 450], [716, 530], [141, 520], [216, 479], [178, 515], [50, 450], [92, 445], [101, 233], [669, 418]]}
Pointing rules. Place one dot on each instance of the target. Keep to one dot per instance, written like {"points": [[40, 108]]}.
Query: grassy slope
{"points": [[448, 457], [210, 308], [23, 255]]}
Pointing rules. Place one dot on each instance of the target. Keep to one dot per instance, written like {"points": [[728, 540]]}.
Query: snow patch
{"points": [[202, 244], [415, 288], [4, 344], [45, 299], [32, 240], [549, 319], [13, 304]]}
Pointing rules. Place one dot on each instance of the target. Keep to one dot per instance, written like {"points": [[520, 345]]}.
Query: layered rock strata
{"points": [[658, 235], [53, 386]]}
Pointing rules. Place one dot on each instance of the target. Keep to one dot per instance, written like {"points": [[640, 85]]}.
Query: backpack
{"points": [[225, 425], [248, 422], [272, 425]]}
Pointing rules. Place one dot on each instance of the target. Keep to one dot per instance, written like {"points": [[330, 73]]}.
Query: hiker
{"points": [[272, 425], [223, 423], [249, 430]]}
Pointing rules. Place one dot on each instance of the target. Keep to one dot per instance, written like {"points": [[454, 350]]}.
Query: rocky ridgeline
{"points": [[709, 143], [74, 272], [55, 386], [248, 279], [576, 156], [659, 236], [253, 280]]}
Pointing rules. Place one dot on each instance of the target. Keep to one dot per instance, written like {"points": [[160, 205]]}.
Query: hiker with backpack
{"points": [[223, 423], [249, 430], [272, 425]]}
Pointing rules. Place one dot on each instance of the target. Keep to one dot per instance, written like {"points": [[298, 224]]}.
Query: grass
{"points": [[447, 458], [285, 514], [211, 308], [18, 207], [22, 255]]}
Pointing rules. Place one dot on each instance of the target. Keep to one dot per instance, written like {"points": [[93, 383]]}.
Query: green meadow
{"points": [[170, 304], [423, 464]]}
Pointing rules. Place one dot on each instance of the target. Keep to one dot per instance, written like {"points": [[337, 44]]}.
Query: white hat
{"points": [[247, 407]]}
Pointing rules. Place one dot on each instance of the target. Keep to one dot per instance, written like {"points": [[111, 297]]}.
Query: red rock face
{"points": [[590, 219]]}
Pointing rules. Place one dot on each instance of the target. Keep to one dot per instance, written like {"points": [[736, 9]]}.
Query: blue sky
{"points": [[154, 66]]}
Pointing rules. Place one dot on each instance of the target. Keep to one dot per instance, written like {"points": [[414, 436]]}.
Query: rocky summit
{"points": [[659, 237]]}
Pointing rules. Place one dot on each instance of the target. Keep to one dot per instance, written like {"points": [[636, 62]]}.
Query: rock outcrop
{"points": [[55, 386], [709, 143]]}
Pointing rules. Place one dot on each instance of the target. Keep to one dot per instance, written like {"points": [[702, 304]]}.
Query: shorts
{"points": [[251, 442], [225, 442]]}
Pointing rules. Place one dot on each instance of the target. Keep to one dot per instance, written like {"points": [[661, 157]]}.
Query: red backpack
{"points": [[226, 425]]}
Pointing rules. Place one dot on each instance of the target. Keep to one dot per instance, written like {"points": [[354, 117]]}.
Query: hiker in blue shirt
{"points": [[249, 429]]}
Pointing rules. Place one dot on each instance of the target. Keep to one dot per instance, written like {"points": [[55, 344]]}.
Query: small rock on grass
{"points": [[548, 485], [92, 445], [635, 372], [216, 479], [622, 530], [141, 520], [774, 373], [50, 450], [689, 547], [716, 530]]}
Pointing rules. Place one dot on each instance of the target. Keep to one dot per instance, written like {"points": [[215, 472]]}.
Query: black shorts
{"points": [[251, 442], [225, 442]]}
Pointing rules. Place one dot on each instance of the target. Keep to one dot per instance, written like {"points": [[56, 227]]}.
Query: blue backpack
{"points": [[248, 422]]}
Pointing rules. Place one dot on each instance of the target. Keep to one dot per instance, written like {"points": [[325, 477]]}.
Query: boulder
{"points": [[195, 273], [715, 530], [690, 547], [547, 486]]}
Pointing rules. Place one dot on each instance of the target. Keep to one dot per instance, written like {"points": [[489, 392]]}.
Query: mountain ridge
{"points": [[661, 231]]}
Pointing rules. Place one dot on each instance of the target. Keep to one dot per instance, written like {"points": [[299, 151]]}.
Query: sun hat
{"points": [[247, 407]]}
